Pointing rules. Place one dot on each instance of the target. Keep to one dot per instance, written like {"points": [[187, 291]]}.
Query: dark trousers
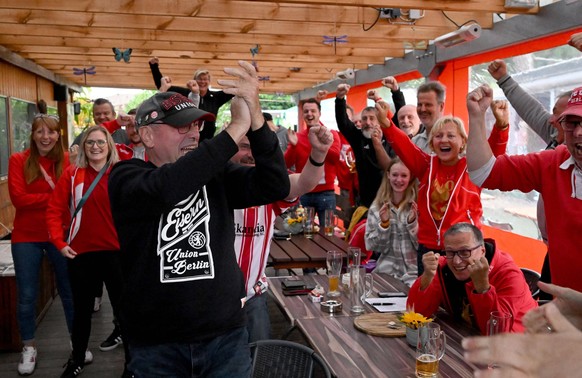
{"points": [[86, 271], [546, 277]]}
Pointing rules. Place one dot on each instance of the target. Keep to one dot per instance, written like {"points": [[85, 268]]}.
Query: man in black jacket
{"points": [[182, 307]]}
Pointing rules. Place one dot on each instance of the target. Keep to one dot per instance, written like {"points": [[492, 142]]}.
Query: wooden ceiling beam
{"points": [[31, 51], [343, 10], [175, 39], [256, 27], [246, 10], [496, 6], [11, 41]]}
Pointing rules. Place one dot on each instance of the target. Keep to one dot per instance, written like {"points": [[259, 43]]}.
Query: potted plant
{"points": [[412, 321], [293, 222]]}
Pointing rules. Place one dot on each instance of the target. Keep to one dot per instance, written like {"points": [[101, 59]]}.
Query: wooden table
{"points": [[301, 252], [351, 353]]}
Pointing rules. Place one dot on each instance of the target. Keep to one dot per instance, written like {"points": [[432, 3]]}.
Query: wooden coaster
{"points": [[377, 324]]}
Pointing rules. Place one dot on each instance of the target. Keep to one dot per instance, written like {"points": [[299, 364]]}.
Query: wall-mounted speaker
{"points": [[60, 92]]}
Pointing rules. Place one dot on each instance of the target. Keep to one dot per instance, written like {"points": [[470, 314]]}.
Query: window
{"points": [[4, 137], [22, 115], [545, 75]]}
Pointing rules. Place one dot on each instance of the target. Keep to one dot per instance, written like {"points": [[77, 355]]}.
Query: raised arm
{"points": [[479, 152], [526, 106], [397, 96], [157, 75], [345, 126], [321, 140], [245, 85]]}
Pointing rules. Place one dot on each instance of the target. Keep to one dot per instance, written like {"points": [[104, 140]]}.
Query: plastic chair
{"points": [[285, 359], [532, 277]]}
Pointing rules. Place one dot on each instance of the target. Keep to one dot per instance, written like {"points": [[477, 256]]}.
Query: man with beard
{"points": [[370, 149]]}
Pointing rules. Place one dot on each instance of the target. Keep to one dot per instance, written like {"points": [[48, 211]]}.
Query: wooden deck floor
{"points": [[54, 349]]}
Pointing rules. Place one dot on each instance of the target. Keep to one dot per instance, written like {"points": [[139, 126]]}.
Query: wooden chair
{"points": [[285, 359]]}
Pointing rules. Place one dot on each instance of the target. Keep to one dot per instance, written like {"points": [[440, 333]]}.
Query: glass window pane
{"points": [[22, 114], [4, 150]]}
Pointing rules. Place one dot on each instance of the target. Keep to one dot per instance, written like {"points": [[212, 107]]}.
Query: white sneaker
{"points": [[88, 354], [88, 357], [27, 361], [97, 304]]}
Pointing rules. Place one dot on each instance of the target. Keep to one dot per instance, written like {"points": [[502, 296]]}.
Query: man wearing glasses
{"points": [[184, 292], [473, 279], [556, 174]]}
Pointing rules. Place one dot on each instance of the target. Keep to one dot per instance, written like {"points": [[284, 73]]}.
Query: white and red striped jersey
{"points": [[253, 228]]}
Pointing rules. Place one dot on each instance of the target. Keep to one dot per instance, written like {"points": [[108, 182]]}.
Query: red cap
{"points": [[574, 106]]}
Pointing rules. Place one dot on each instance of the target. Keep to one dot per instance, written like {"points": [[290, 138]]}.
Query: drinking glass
{"points": [[329, 222], [499, 322], [361, 285], [334, 267], [354, 256], [309, 222], [430, 348]]}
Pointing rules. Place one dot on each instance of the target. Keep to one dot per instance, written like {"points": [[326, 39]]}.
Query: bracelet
{"points": [[314, 163], [385, 224]]}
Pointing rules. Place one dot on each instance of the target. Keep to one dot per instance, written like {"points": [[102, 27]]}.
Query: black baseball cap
{"points": [[170, 108]]}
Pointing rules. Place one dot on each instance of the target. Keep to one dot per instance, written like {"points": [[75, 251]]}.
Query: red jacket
{"points": [[454, 186], [509, 292], [93, 229], [297, 155], [30, 200]]}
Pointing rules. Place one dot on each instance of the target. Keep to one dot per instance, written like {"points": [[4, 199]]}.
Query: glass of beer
{"points": [[329, 222], [430, 348], [334, 267]]}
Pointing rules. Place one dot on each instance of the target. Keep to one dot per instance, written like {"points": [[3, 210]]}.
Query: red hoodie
{"points": [[509, 292]]}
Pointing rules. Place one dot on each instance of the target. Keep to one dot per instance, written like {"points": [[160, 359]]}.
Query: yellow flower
{"points": [[413, 320]]}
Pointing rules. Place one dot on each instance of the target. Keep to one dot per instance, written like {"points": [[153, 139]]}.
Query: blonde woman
{"points": [[392, 226], [446, 194], [87, 238]]}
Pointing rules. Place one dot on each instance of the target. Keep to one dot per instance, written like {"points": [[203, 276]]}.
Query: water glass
{"points": [[499, 322]]}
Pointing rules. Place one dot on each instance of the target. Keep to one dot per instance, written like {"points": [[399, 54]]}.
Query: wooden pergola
{"points": [[296, 44]]}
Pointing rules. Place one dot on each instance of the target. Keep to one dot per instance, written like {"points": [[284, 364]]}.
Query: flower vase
{"points": [[411, 336]]}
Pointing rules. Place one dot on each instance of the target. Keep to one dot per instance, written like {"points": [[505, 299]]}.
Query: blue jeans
{"points": [[226, 356], [27, 262], [320, 201], [258, 322]]}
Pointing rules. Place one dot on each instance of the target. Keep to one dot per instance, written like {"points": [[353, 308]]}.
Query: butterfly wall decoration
{"points": [[84, 71], [124, 55]]}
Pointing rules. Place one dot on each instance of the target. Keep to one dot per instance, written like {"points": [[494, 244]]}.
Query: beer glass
{"points": [[354, 256], [499, 322], [334, 267], [329, 222], [309, 222], [361, 285], [430, 348]]}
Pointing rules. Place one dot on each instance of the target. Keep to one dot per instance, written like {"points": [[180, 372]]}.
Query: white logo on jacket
{"points": [[184, 241]]}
